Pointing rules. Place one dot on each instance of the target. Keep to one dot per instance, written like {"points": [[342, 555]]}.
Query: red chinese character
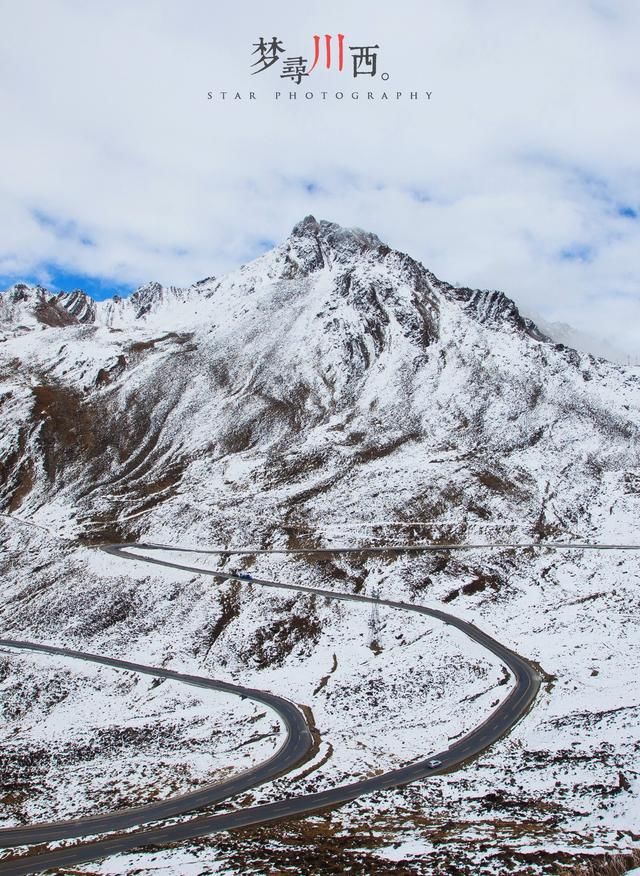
{"points": [[327, 44]]}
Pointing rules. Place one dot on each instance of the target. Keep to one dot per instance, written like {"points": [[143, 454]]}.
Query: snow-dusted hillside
{"points": [[335, 392]]}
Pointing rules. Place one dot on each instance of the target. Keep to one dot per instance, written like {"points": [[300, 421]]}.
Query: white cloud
{"points": [[527, 149]]}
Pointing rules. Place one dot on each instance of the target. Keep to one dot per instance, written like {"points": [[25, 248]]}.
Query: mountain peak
{"points": [[313, 245], [336, 236]]}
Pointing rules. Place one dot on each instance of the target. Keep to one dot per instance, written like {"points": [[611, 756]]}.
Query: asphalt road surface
{"points": [[297, 745], [497, 724]]}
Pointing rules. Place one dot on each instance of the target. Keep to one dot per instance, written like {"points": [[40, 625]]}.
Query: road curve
{"points": [[297, 745], [497, 724]]}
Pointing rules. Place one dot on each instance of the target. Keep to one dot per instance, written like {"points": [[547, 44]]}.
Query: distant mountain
{"points": [[23, 306], [588, 343]]}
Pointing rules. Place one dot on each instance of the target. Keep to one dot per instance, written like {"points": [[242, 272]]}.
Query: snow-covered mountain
{"points": [[24, 306], [334, 391], [310, 365]]}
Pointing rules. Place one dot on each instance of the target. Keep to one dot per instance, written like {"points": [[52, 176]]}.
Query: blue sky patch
{"points": [[60, 280], [577, 252], [65, 229]]}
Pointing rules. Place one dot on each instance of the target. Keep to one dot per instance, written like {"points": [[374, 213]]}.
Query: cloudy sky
{"points": [[522, 172]]}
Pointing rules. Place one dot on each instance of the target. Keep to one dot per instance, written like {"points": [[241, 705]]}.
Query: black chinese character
{"points": [[268, 53], [294, 68], [364, 57]]}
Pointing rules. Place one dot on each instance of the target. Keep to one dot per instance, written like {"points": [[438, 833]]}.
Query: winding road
{"points": [[295, 749], [297, 745]]}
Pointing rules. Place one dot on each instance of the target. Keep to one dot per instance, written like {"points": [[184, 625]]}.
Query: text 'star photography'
{"points": [[320, 438]]}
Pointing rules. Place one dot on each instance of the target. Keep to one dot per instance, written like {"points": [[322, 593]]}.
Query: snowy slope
{"points": [[335, 392]]}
